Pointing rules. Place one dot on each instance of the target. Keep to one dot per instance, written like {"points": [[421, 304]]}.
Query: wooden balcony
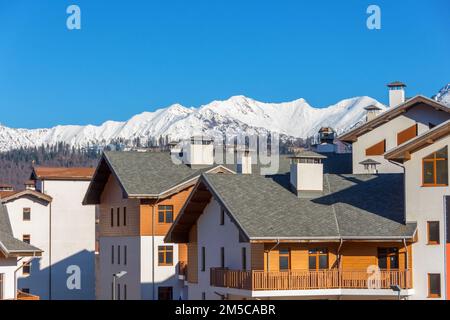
{"points": [[26, 296], [309, 280]]}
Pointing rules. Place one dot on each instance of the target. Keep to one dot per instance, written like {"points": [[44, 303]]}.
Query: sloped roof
{"points": [[6, 196], [391, 113], [62, 173], [10, 245], [351, 207], [402, 152]]}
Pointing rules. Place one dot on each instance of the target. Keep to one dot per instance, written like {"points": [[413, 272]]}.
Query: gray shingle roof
{"points": [[351, 206], [7, 242]]}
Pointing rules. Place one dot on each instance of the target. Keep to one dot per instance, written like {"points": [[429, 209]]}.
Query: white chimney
{"points": [[200, 152], [244, 162], [370, 166], [396, 93], [30, 185], [372, 112], [307, 172]]}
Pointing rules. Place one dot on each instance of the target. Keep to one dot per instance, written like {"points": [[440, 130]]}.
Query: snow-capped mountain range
{"points": [[234, 116], [443, 95]]}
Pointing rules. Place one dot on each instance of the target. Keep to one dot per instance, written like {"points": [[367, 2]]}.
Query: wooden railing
{"points": [[26, 296], [307, 280]]}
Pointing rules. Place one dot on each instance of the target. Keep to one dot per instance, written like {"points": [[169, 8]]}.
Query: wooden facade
{"points": [[350, 264]]}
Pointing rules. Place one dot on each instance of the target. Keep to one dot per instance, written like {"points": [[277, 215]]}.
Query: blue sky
{"points": [[134, 56]]}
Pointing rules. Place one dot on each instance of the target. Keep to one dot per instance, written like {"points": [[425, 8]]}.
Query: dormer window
{"points": [[435, 169]]}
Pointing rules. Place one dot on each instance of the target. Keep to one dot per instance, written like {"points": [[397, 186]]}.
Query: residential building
{"points": [[14, 256], [402, 121], [71, 232], [28, 212], [424, 160], [139, 194], [304, 234]]}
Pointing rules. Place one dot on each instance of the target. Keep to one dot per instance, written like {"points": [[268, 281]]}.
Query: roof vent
{"points": [[370, 166]]}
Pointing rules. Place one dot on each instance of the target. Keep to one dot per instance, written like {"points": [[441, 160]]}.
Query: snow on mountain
{"points": [[236, 115], [443, 95]]}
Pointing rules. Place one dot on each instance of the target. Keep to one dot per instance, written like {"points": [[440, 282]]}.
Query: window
{"points": [[124, 216], [26, 268], [112, 290], [203, 295], [112, 254], [26, 214], [203, 259], [125, 297], [112, 217], [435, 169], [318, 259], [118, 254], [118, 291], [284, 259], [125, 258], [165, 255], [388, 258], [222, 216], [165, 214], [165, 293], [244, 258], [222, 257], [433, 232], [26, 238], [407, 134], [377, 149], [118, 217], [434, 285]]}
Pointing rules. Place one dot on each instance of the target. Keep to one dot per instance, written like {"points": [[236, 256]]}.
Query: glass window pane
{"points": [[161, 257], [161, 217], [442, 172], [312, 263], [393, 261], [284, 263], [284, 251], [442, 153], [428, 172], [435, 284], [382, 262], [433, 231], [169, 257], [323, 262], [169, 217]]}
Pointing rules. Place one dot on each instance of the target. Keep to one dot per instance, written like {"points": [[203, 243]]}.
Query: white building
{"points": [[427, 198], [391, 128], [70, 230], [139, 194], [14, 256], [29, 213]]}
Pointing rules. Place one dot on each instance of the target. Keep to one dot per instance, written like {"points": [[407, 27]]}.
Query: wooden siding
{"points": [[112, 198], [407, 134], [377, 149], [148, 207], [192, 256], [354, 255]]}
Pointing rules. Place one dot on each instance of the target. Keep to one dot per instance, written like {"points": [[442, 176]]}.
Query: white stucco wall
{"points": [[132, 266], [7, 268], [164, 276], [422, 115], [38, 229], [307, 176], [213, 236], [425, 204], [72, 238]]}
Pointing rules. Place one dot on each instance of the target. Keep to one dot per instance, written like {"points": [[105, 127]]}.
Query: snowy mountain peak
{"points": [[236, 115], [443, 95]]}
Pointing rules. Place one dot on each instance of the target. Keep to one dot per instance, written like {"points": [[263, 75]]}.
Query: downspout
{"points": [[406, 263], [268, 253], [339, 253]]}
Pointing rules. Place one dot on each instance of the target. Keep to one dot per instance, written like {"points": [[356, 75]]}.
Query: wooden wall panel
{"points": [[257, 256], [377, 149], [407, 134], [177, 201], [193, 256], [112, 197]]}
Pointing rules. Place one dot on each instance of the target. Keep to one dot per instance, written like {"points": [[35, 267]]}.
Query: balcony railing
{"points": [[309, 280]]}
